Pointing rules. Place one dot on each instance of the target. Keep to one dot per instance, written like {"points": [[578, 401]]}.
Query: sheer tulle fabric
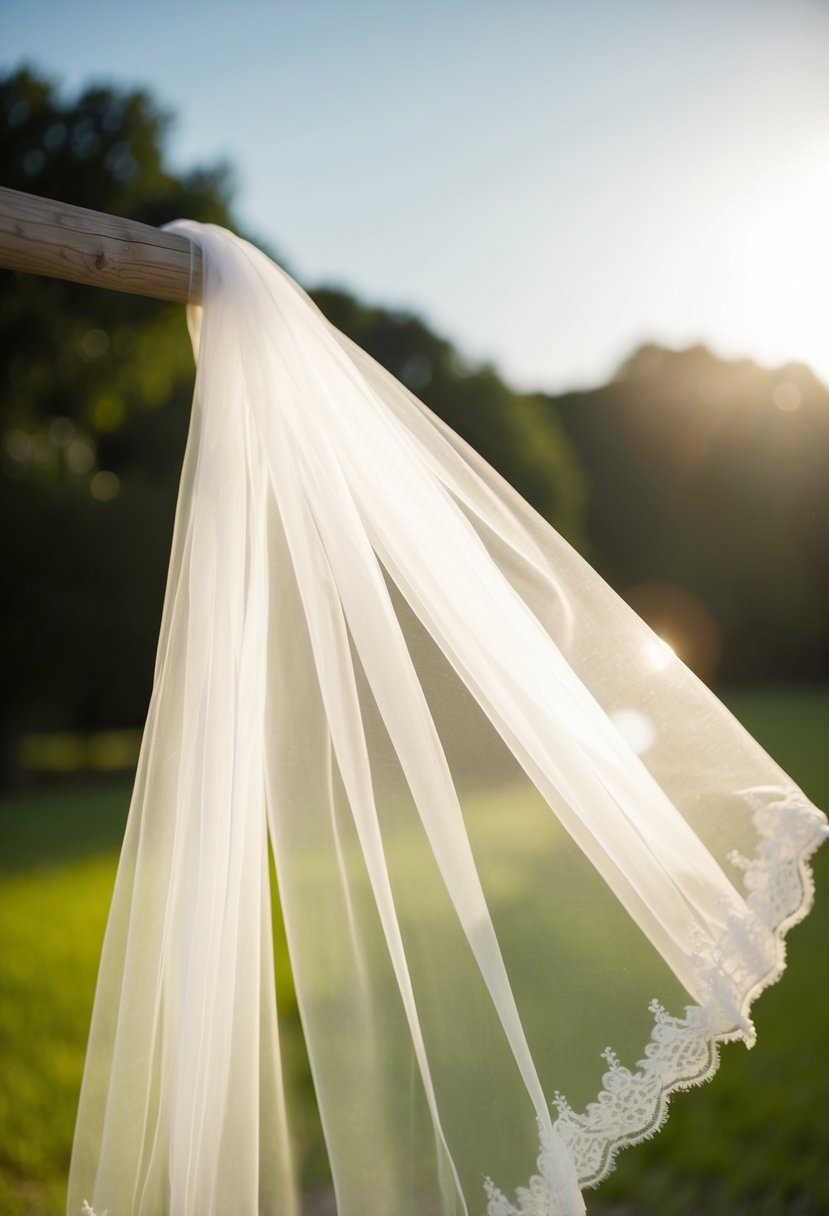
{"points": [[531, 870]]}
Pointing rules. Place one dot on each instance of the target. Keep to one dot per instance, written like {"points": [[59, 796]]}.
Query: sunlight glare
{"points": [[775, 239], [659, 653], [636, 728]]}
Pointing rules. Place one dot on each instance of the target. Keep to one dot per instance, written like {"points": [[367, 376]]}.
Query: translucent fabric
{"points": [[511, 830]]}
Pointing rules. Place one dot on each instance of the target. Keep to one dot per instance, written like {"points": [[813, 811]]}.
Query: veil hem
{"points": [[683, 1052]]}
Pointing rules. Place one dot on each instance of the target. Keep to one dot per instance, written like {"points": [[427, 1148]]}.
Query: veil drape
{"points": [[532, 872]]}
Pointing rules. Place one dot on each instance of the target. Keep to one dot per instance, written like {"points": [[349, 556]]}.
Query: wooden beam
{"points": [[42, 236]]}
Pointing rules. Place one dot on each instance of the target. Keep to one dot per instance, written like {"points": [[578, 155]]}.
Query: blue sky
{"points": [[547, 183]]}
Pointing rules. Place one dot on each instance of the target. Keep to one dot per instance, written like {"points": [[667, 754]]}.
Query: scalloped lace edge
{"points": [[684, 1052]]}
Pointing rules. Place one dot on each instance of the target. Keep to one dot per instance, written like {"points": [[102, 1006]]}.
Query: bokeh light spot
{"points": [[107, 412], [659, 653], [787, 396], [19, 446], [80, 455], [636, 728], [94, 343], [33, 161], [18, 113], [686, 628], [105, 486], [416, 372], [55, 136], [61, 432]]}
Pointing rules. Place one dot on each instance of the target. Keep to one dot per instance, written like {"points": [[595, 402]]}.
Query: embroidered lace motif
{"points": [[683, 1051]]}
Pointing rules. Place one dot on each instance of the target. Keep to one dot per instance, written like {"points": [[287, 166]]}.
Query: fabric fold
{"points": [[375, 655]]}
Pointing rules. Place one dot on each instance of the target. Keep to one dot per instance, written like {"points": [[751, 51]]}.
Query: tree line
{"points": [[695, 485]]}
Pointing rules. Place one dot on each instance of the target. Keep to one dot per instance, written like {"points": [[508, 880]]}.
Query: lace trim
{"points": [[683, 1052]]}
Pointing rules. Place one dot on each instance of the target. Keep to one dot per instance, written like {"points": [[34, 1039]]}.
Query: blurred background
{"points": [[592, 237]]}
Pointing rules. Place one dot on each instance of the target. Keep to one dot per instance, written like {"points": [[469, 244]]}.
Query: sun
{"points": [[775, 240]]}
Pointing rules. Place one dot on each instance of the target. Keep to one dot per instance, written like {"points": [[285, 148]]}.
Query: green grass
{"points": [[51, 927], [754, 1141]]}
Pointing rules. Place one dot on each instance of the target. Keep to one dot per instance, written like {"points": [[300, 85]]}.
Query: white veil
{"points": [[511, 830]]}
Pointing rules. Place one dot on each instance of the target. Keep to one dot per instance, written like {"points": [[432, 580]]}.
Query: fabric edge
{"points": [[683, 1053]]}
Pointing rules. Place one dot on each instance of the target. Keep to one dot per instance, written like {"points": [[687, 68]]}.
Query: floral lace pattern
{"points": [[683, 1051]]}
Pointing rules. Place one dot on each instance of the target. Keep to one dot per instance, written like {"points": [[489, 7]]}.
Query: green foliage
{"points": [[711, 476], [78, 363], [106, 144], [95, 390], [515, 432], [94, 398], [755, 1142], [708, 501]]}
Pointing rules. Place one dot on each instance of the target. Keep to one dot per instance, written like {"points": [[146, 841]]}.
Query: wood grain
{"points": [[42, 236]]}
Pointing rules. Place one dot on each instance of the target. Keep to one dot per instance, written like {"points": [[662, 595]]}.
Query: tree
{"points": [[709, 506], [517, 433], [94, 395], [95, 390]]}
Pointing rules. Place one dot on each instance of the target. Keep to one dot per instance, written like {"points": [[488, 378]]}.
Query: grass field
{"points": [[754, 1141]]}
